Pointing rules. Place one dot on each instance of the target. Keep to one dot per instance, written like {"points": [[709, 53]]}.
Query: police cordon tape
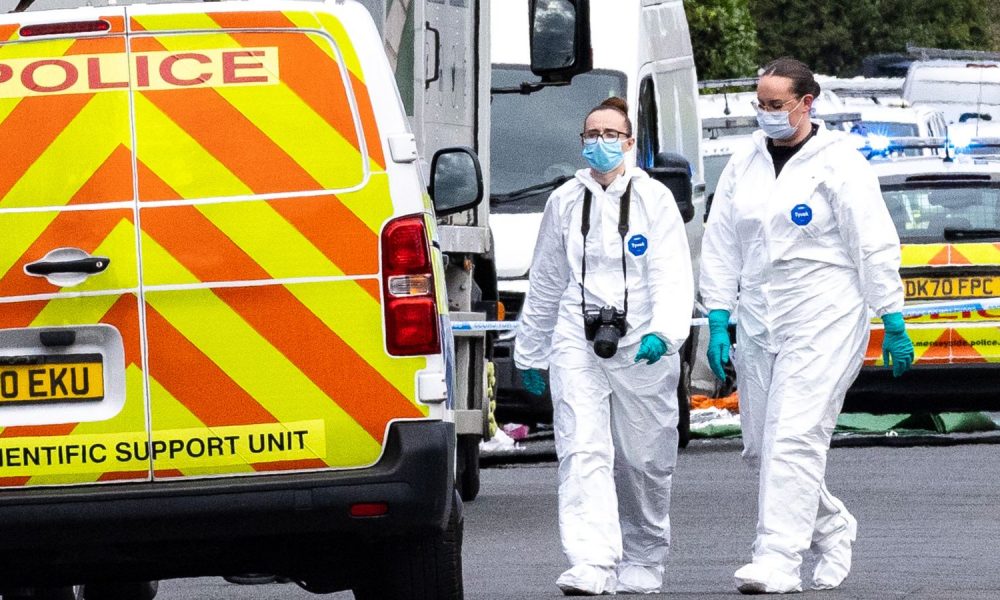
{"points": [[915, 310]]}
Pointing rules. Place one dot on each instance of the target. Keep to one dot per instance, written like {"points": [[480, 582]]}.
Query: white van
{"points": [[535, 145], [961, 89], [883, 109]]}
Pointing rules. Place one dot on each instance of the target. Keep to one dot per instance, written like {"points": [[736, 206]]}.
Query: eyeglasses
{"points": [[772, 106], [608, 135]]}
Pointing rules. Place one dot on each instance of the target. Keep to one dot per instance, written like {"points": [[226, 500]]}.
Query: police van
{"points": [[224, 335]]}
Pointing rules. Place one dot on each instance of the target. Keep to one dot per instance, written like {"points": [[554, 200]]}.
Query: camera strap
{"points": [[623, 209]]}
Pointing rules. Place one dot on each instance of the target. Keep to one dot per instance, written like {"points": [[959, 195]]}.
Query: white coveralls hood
{"points": [[615, 420], [801, 258]]}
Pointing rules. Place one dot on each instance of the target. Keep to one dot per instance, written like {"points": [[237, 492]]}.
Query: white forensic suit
{"points": [[615, 420], [800, 259]]}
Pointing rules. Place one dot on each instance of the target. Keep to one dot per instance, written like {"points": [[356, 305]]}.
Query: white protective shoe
{"points": [[587, 580], [758, 579], [835, 557], [639, 579]]}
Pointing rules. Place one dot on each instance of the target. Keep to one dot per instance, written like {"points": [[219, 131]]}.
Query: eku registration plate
{"points": [[951, 287], [71, 377]]}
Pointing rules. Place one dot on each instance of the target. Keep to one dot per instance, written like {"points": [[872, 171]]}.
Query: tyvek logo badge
{"points": [[802, 214], [638, 245]]}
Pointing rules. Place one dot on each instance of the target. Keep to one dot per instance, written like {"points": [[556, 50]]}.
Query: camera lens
{"points": [[606, 341]]}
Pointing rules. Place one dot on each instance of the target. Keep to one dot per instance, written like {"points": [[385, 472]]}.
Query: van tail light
{"points": [[369, 509], [411, 312]]}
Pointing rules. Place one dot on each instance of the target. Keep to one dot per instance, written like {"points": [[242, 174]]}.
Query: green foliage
{"points": [[731, 38], [724, 38], [939, 23], [829, 36], [833, 37]]}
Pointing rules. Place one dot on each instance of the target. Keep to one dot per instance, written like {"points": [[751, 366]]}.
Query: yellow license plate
{"points": [[952, 287], [72, 377]]}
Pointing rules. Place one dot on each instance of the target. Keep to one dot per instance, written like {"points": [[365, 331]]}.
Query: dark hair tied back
{"points": [[802, 78], [617, 104]]}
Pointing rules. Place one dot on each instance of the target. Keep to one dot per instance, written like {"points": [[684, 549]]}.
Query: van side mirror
{"points": [[560, 39], [456, 180], [674, 171]]}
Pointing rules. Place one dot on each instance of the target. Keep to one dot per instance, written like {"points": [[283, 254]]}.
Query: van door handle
{"points": [[66, 267], [89, 266], [437, 56]]}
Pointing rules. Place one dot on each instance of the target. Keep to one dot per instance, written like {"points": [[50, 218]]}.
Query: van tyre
{"points": [[121, 590], [467, 475], [424, 567], [684, 406]]}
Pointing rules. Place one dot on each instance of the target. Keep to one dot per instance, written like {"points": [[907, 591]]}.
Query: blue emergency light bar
{"points": [[873, 145]]}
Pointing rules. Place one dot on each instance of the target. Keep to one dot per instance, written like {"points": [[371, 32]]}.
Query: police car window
{"points": [[890, 129], [922, 214], [535, 139]]}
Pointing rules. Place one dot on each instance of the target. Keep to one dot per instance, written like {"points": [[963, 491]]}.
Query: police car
{"points": [[945, 204]]}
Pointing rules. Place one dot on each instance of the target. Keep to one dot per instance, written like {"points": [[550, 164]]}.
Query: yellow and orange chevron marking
{"points": [[942, 255], [945, 345], [300, 362], [961, 338]]}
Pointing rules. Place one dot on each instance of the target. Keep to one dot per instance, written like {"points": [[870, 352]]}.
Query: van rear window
{"points": [[64, 122], [243, 114]]}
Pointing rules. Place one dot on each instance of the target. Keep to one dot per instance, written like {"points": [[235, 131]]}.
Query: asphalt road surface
{"points": [[929, 529]]}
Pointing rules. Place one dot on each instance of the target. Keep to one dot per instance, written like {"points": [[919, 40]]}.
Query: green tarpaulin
{"points": [[963, 422], [919, 423]]}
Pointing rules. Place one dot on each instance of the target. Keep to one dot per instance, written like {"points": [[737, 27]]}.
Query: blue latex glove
{"points": [[718, 342], [533, 381], [896, 344], [651, 349]]}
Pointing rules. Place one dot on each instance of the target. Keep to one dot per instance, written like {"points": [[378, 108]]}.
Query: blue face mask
{"points": [[604, 157]]}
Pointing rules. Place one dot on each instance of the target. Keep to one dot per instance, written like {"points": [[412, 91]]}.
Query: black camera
{"points": [[604, 326]]}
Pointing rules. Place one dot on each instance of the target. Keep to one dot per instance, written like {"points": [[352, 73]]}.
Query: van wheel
{"points": [[121, 590], [63, 592], [425, 567], [467, 473], [684, 406]]}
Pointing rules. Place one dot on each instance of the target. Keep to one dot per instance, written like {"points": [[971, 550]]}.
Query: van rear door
{"points": [[262, 191], [72, 405]]}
